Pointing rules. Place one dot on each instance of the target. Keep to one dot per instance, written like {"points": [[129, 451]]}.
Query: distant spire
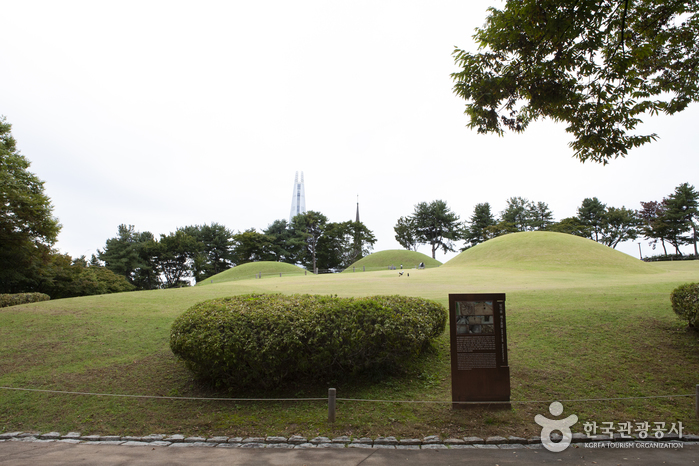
{"points": [[357, 235], [298, 198]]}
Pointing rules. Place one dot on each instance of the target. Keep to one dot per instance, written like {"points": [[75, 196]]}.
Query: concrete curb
{"points": [[432, 442]]}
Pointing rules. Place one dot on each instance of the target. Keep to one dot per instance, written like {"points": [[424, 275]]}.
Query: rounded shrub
{"points": [[685, 303], [261, 340], [22, 298]]}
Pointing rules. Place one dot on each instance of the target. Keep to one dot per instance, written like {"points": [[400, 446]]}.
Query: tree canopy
{"points": [[307, 229], [597, 65], [621, 224], [591, 214], [344, 243], [279, 235], [132, 254], [477, 230], [680, 210], [521, 214], [606, 225], [436, 225], [406, 233], [251, 246], [28, 229], [215, 243]]}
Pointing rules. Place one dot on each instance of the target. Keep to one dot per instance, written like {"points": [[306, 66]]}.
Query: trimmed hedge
{"points": [[685, 303], [671, 257], [22, 298], [262, 340]]}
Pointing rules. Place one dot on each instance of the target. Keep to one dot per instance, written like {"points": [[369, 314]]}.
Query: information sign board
{"points": [[478, 336]]}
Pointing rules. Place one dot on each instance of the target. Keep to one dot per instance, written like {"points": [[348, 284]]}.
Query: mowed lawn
{"points": [[601, 330]]}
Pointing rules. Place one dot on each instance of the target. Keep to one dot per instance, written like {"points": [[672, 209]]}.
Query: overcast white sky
{"points": [[164, 114]]}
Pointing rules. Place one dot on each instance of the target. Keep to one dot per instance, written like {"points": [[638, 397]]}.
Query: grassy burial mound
{"points": [[253, 269], [382, 260], [548, 251]]}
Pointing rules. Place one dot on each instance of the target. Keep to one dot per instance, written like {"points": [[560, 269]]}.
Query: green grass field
{"points": [[583, 323]]}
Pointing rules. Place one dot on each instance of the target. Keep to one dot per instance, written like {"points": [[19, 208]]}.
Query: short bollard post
{"points": [[696, 407], [280, 275], [331, 405]]}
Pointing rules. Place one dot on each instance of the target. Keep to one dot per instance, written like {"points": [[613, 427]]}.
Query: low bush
{"points": [[64, 277], [261, 340], [685, 303], [671, 257], [22, 298]]}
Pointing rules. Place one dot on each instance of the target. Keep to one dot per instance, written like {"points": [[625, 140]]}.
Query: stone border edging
{"points": [[432, 442]]}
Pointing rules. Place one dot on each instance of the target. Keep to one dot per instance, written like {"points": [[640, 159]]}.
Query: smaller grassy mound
{"points": [[253, 269], [264, 340], [549, 251], [382, 260]]}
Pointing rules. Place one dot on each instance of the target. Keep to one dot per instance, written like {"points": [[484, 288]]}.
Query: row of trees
{"points": [[201, 251], [670, 221], [150, 263], [605, 224], [310, 240], [435, 224]]}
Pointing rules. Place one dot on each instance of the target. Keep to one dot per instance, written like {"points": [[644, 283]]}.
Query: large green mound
{"points": [[393, 257], [543, 250], [252, 270]]}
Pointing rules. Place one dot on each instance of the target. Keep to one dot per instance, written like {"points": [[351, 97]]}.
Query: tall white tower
{"points": [[298, 198]]}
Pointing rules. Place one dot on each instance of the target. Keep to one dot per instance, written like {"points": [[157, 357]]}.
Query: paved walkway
{"points": [[19, 449], [24, 453]]}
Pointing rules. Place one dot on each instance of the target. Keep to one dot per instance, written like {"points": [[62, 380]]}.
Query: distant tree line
{"points": [[671, 221], [135, 260], [201, 251]]}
